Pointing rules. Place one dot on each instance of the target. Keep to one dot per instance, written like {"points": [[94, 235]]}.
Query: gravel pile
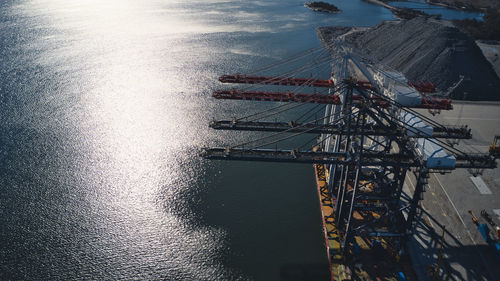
{"points": [[426, 49]]}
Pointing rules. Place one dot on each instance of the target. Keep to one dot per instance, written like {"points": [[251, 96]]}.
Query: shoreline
{"points": [[395, 9], [381, 3], [465, 9], [439, 4], [447, 6], [398, 12]]}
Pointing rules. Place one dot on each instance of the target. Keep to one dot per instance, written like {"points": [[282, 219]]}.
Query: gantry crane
{"points": [[369, 139]]}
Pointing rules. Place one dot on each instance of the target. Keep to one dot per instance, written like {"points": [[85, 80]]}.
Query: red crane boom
{"points": [[436, 103], [284, 81], [233, 94], [423, 87], [427, 102], [276, 96]]}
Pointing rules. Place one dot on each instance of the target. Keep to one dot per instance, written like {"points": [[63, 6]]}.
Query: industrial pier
{"points": [[371, 141]]}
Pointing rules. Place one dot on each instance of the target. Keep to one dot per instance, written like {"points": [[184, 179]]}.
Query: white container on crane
{"points": [[394, 85], [385, 78], [403, 94], [414, 125], [434, 155]]}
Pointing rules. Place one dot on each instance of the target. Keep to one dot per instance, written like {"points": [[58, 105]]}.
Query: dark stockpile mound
{"points": [[429, 50]]}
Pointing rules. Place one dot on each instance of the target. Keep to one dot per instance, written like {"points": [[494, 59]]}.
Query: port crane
{"points": [[369, 139]]}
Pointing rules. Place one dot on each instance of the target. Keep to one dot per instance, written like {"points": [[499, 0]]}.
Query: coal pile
{"points": [[427, 50]]}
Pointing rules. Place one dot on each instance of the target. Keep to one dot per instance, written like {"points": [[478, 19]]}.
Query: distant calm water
{"points": [[103, 106]]}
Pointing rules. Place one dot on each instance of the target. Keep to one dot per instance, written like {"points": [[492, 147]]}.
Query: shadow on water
{"points": [[271, 218]]}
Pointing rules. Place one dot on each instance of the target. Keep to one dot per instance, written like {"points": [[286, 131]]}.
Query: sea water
{"points": [[104, 106]]}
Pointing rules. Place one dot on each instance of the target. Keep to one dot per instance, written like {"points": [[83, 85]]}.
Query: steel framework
{"points": [[363, 154]]}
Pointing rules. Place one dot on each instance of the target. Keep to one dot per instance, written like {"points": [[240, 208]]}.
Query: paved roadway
{"points": [[450, 196]]}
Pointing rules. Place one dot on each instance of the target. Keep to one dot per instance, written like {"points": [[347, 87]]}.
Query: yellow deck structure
{"points": [[341, 269], [332, 241]]}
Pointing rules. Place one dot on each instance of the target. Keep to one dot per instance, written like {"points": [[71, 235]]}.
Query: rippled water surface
{"points": [[103, 107]]}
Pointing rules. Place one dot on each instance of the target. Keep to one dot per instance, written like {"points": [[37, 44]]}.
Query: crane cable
{"points": [[294, 57], [295, 90], [293, 128], [291, 106], [304, 132], [290, 73]]}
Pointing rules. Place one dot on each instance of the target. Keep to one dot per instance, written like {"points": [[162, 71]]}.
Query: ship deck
{"points": [[375, 259]]}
